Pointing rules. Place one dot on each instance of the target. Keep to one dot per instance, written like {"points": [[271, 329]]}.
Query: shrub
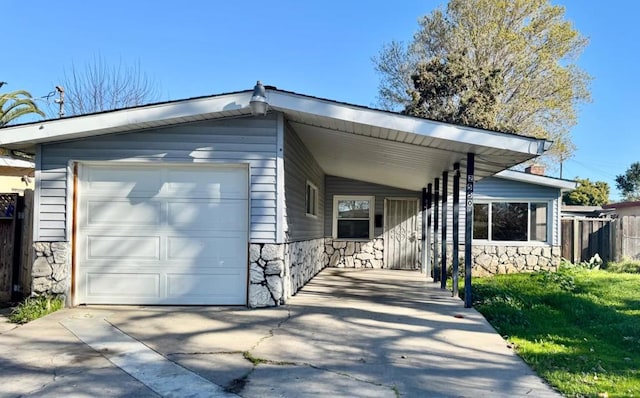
{"points": [[34, 308], [625, 266]]}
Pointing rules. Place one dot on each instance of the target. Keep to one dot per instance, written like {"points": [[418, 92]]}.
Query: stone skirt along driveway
{"points": [[377, 333]]}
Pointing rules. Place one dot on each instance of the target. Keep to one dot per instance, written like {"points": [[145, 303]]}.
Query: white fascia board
{"points": [[468, 135], [538, 179], [95, 124]]}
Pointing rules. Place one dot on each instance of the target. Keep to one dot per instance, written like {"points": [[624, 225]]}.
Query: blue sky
{"points": [[321, 48]]}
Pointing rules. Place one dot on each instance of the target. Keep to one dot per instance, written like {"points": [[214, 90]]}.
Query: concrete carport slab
{"points": [[395, 329], [347, 333]]}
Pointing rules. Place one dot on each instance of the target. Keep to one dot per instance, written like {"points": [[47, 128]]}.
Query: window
{"points": [[311, 199], [538, 222], [353, 217], [511, 221]]}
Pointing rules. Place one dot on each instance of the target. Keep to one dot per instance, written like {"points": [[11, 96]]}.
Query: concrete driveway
{"points": [[347, 333]]}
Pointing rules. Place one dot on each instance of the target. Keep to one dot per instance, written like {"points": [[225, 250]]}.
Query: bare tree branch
{"points": [[99, 86]]}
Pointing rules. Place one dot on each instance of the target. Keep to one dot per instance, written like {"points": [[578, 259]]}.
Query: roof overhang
{"points": [[563, 185], [347, 140], [394, 149]]}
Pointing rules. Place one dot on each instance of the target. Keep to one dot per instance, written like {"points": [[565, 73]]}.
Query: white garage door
{"points": [[162, 234]]}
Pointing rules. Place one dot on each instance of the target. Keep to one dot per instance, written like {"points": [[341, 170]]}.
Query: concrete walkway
{"points": [[347, 333]]}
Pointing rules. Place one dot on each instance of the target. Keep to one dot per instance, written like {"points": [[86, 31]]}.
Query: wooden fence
{"points": [[16, 226], [626, 238], [612, 240], [583, 238]]}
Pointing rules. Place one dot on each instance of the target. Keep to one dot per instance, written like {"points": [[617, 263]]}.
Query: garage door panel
{"points": [[123, 247], [214, 250], [221, 286], [226, 183], [123, 180], [223, 216], [114, 212], [162, 234], [112, 285]]}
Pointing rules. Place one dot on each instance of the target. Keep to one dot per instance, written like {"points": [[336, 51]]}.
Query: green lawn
{"points": [[578, 329]]}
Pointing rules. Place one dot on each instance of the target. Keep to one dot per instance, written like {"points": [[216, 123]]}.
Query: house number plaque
{"points": [[469, 190]]}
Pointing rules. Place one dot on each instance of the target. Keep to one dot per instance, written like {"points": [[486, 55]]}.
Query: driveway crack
{"points": [[270, 333]]}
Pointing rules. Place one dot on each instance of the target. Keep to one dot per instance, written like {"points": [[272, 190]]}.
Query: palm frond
{"points": [[16, 104]]}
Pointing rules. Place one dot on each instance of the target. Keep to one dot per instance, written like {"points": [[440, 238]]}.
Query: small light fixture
{"points": [[258, 102]]}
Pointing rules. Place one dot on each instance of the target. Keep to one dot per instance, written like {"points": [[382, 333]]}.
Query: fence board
{"points": [[630, 237], [8, 215], [566, 228], [606, 243], [585, 234], [26, 249], [617, 243]]}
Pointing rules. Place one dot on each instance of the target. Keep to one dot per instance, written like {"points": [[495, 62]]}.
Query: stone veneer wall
{"points": [[494, 259], [51, 272], [266, 274], [498, 259], [304, 260], [348, 254], [276, 272]]}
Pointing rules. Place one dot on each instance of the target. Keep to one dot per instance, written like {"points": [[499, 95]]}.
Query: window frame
{"points": [[309, 186], [529, 202], [372, 205]]}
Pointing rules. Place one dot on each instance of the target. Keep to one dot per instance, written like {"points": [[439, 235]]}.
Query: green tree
{"points": [[455, 91], [16, 104], [588, 193], [515, 57], [629, 183]]}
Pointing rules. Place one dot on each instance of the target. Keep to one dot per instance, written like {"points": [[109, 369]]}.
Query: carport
{"points": [[441, 160]]}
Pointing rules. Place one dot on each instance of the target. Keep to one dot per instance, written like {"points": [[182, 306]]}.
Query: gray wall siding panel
{"points": [[245, 140], [344, 186], [300, 167], [494, 187]]}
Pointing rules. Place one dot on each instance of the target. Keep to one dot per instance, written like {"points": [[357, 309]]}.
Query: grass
{"points": [[254, 360], [578, 328], [34, 308]]}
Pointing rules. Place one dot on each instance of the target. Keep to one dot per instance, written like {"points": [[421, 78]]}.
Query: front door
{"points": [[401, 233]]}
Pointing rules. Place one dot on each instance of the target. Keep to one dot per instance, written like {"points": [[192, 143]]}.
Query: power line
{"points": [[590, 167]]}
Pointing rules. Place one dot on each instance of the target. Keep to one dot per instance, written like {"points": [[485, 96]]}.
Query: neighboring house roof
{"points": [[15, 167], [562, 184], [347, 140], [622, 205], [585, 211]]}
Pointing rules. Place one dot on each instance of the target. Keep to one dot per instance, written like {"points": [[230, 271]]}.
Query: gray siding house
{"points": [[201, 201]]}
